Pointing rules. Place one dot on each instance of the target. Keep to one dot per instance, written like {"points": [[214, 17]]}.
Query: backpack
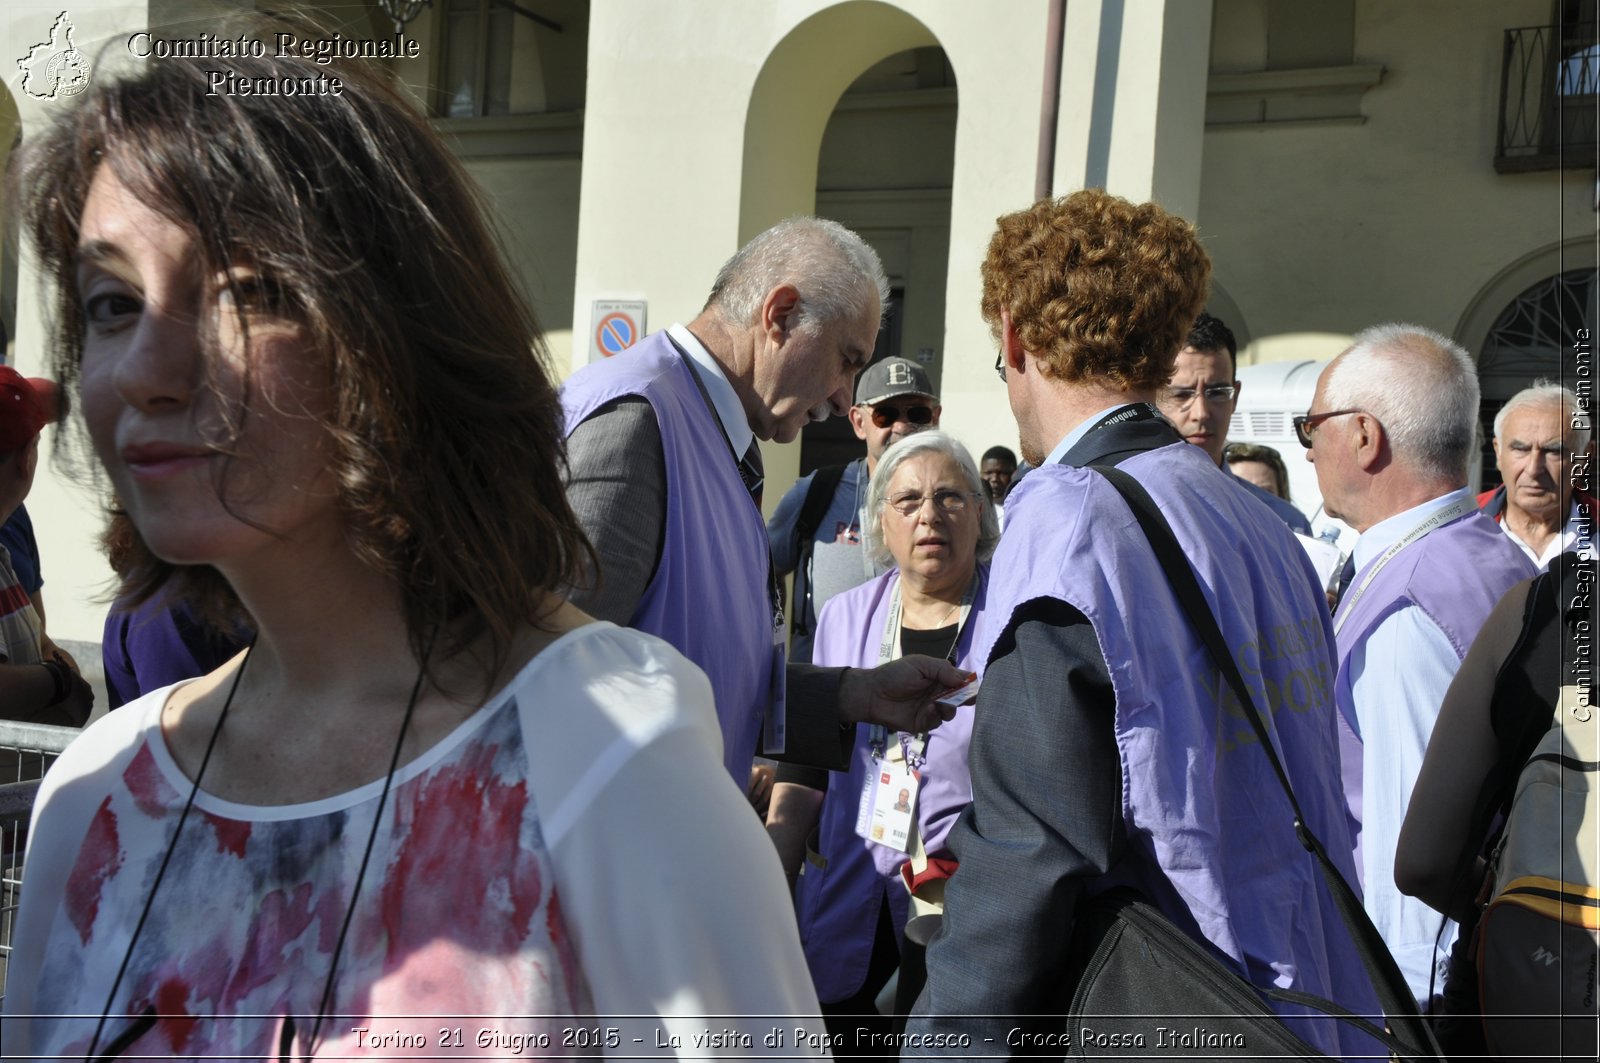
{"points": [[1539, 936], [824, 482]]}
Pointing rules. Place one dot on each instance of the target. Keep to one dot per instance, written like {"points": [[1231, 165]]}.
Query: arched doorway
{"points": [[1535, 333], [794, 103], [1547, 331], [884, 170], [795, 94]]}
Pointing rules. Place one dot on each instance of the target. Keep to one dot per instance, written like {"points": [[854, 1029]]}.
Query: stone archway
{"points": [[1508, 325], [794, 96], [885, 169], [1537, 318], [795, 93]]}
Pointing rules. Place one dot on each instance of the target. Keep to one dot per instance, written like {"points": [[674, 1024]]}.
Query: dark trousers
{"points": [[852, 1022]]}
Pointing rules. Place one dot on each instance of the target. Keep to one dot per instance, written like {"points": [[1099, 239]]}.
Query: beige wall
{"points": [[528, 165], [704, 119], [1329, 228], [533, 196], [542, 243], [704, 125], [1126, 123], [661, 89], [63, 508]]}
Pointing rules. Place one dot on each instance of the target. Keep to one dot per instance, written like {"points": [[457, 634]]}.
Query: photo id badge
{"points": [[889, 803]]}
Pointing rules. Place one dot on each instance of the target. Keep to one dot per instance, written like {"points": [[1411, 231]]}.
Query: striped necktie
{"points": [[751, 472], [1347, 573]]}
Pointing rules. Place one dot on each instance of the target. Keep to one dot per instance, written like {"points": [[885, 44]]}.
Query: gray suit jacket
{"points": [[616, 484]]}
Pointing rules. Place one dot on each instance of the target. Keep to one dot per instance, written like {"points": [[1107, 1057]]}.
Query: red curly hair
{"points": [[1098, 288]]}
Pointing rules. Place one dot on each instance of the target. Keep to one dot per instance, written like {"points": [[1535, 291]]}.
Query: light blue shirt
{"points": [[1071, 438], [1397, 679]]}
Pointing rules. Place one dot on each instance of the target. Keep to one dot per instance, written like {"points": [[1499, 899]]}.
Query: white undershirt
{"points": [[1570, 537], [730, 413]]}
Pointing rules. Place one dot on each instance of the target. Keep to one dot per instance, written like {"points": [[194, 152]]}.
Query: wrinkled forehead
{"points": [[1543, 424], [927, 467]]}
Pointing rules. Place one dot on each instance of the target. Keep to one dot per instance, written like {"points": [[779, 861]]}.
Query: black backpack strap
{"points": [[1527, 692], [1526, 689], [1394, 995], [824, 482]]}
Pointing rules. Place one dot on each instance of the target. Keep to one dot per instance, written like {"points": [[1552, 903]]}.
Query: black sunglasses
{"points": [[886, 416]]}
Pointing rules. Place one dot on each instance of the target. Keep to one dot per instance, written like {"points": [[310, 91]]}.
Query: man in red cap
{"points": [[32, 687]]}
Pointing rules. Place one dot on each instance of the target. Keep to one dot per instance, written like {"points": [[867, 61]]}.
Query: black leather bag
{"points": [[1146, 988], [1137, 973]]}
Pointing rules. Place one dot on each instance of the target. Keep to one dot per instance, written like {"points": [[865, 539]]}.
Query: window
{"points": [[508, 57], [477, 73], [1549, 88], [1285, 61]]}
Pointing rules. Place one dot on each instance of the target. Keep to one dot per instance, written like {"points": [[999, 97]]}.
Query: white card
{"points": [[890, 803]]}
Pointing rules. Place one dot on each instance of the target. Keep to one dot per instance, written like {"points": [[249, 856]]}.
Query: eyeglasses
{"points": [[1212, 393], [1305, 424], [1000, 364], [887, 416], [947, 502]]}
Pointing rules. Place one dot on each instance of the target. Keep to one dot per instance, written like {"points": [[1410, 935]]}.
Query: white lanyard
{"points": [[889, 649], [1456, 510]]}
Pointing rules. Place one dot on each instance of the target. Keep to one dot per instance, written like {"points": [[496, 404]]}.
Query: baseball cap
{"points": [[27, 404], [890, 379]]}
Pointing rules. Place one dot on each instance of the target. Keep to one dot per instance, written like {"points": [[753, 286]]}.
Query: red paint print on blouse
{"points": [[278, 925], [232, 834], [99, 859], [172, 1004], [462, 848], [146, 785]]}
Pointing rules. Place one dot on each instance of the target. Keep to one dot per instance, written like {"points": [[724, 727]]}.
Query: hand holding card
{"points": [[961, 695]]}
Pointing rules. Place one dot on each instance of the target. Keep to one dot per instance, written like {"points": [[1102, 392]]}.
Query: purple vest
{"points": [[709, 596], [1429, 574], [1210, 835], [838, 906]]}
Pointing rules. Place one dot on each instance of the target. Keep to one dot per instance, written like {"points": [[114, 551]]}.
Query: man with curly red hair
{"points": [[1102, 753]]}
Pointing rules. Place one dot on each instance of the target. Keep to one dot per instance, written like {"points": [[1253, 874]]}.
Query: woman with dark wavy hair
{"points": [[310, 381]]}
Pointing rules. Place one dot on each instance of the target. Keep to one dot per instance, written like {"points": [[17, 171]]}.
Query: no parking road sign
{"points": [[618, 325]]}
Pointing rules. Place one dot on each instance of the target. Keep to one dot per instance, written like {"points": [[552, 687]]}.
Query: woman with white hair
{"points": [[927, 513]]}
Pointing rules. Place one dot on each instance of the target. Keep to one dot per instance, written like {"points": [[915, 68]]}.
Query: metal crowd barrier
{"points": [[26, 750]]}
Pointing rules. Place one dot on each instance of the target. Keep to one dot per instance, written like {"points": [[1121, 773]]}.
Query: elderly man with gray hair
{"points": [[1541, 444], [1390, 431], [665, 477]]}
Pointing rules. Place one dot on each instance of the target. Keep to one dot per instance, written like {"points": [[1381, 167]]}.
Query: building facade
{"points": [[1347, 161]]}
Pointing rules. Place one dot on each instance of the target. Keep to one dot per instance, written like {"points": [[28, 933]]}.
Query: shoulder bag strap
{"points": [[1390, 985], [824, 482]]}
